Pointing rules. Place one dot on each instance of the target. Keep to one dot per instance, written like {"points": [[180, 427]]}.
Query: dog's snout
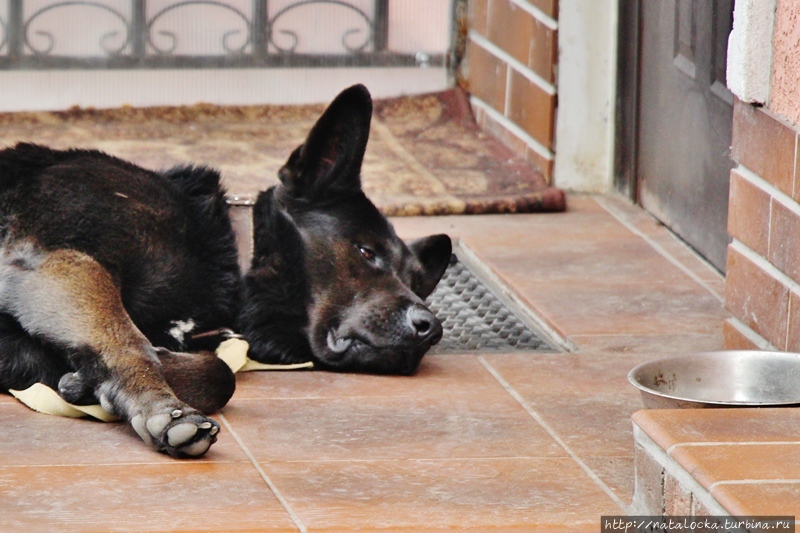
{"points": [[422, 322]]}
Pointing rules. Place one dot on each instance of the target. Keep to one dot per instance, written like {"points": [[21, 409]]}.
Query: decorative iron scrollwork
{"points": [[105, 39], [4, 40], [205, 3], [273, 21], [253, 33]]}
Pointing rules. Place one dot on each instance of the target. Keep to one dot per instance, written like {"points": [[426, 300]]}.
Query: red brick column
{"points": [[510, 72], [762, 288]]}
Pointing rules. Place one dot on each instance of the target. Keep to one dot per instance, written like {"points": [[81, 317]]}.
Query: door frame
{"points": [[626, 138]]}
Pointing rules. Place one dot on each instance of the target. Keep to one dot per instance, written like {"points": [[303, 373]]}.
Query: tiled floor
{"points": [[484, 442], [745, 460]]}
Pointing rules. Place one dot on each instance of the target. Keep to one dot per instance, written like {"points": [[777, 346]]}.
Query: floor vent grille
{"points": [[475, 318]]}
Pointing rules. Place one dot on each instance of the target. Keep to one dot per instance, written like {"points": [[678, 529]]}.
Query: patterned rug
{"points": [[426, 156]]}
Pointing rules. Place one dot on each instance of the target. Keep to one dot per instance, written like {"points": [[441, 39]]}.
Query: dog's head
{"points": [[330, 279]]}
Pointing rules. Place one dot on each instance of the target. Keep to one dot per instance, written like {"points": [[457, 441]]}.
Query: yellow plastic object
{"points": [[43, 399]]}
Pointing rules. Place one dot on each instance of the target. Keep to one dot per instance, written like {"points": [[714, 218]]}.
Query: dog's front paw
{"points": [[75, 390], [179, 432]]}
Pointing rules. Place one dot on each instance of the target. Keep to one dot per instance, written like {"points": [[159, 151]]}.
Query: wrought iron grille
{"points": [[475, 319], [130, 34]]}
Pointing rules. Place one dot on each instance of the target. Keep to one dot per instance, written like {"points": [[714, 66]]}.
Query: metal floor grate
{"points": [[475, 319]]}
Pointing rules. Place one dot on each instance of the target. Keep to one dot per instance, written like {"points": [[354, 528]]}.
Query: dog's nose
{"points": [[422, 322]]}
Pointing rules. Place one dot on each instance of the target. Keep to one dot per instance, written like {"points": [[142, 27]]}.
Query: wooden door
{"points": [[685, 116]]}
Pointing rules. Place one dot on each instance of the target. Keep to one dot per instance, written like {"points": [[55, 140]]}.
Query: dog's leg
{"points": [[25, 360], [69, 299], [202, 379]]}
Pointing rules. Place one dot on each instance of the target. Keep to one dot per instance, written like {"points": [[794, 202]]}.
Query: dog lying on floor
{"points": [[107, 269]]}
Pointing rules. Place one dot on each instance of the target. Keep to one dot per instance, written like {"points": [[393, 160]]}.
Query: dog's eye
{"points": [[368, 253]]}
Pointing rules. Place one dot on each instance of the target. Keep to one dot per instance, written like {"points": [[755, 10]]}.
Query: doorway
{"points": [[675, 117]]}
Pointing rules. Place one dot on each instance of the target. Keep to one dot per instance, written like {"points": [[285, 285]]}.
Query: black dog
{"points": [[107, 269]]}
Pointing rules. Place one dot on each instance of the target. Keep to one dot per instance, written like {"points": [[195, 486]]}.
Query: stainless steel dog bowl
{"points": [[719, 379]]}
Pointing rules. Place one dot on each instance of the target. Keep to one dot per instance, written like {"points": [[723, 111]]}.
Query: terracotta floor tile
{"points": [[623, 260], [7, 398], [595, 425], [439, 375], [465, 495], [616, 472], [760, 499], [736, 462], [594, 307], [583, 220], [585, 399], [547, 374], [389, 428], [448, 448], [689, 259], [30, 438], [630, 215], [673, 426], [654, 345], [503, 238], [179, 496], [415, 227], [643, 224]]}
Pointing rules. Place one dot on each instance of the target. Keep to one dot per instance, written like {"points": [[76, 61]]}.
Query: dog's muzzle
{"points": [[414, 331]]}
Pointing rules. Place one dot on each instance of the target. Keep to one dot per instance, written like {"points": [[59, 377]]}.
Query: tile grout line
{"points": [[731, 443], [768, 268], [774, 193], [753, 482], [752, 336], [794, 167], [264, 476], [533, 414], [658, 248]]}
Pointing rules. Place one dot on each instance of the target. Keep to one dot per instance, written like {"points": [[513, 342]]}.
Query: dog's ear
{"points": [[328, 164], [434, 253]]}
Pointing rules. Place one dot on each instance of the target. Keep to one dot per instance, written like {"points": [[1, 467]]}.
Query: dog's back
{"points": [[165, 238]]}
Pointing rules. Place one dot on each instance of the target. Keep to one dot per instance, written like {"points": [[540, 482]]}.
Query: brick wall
{"points": [[762, 285], [510, 72], [763, 274]]}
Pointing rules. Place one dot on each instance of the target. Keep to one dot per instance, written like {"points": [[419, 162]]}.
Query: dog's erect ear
{"points": [[328, 164], [434, 253]]}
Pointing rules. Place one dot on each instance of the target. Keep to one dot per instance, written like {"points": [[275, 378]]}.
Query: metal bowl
{"points": [[719, 379]]}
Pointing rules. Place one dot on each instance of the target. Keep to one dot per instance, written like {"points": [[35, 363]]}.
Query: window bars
{"points": [[131, 34]]}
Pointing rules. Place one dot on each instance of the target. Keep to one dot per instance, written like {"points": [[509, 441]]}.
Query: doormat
{"points": [[474, 318], [426, 155]]}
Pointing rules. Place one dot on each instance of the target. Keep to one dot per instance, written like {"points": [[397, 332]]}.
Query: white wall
{"points": [[750, 50], [25, 90], [587, 56]]}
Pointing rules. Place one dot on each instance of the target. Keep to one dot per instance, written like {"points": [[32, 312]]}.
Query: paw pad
{"points": [[179, 433]]}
